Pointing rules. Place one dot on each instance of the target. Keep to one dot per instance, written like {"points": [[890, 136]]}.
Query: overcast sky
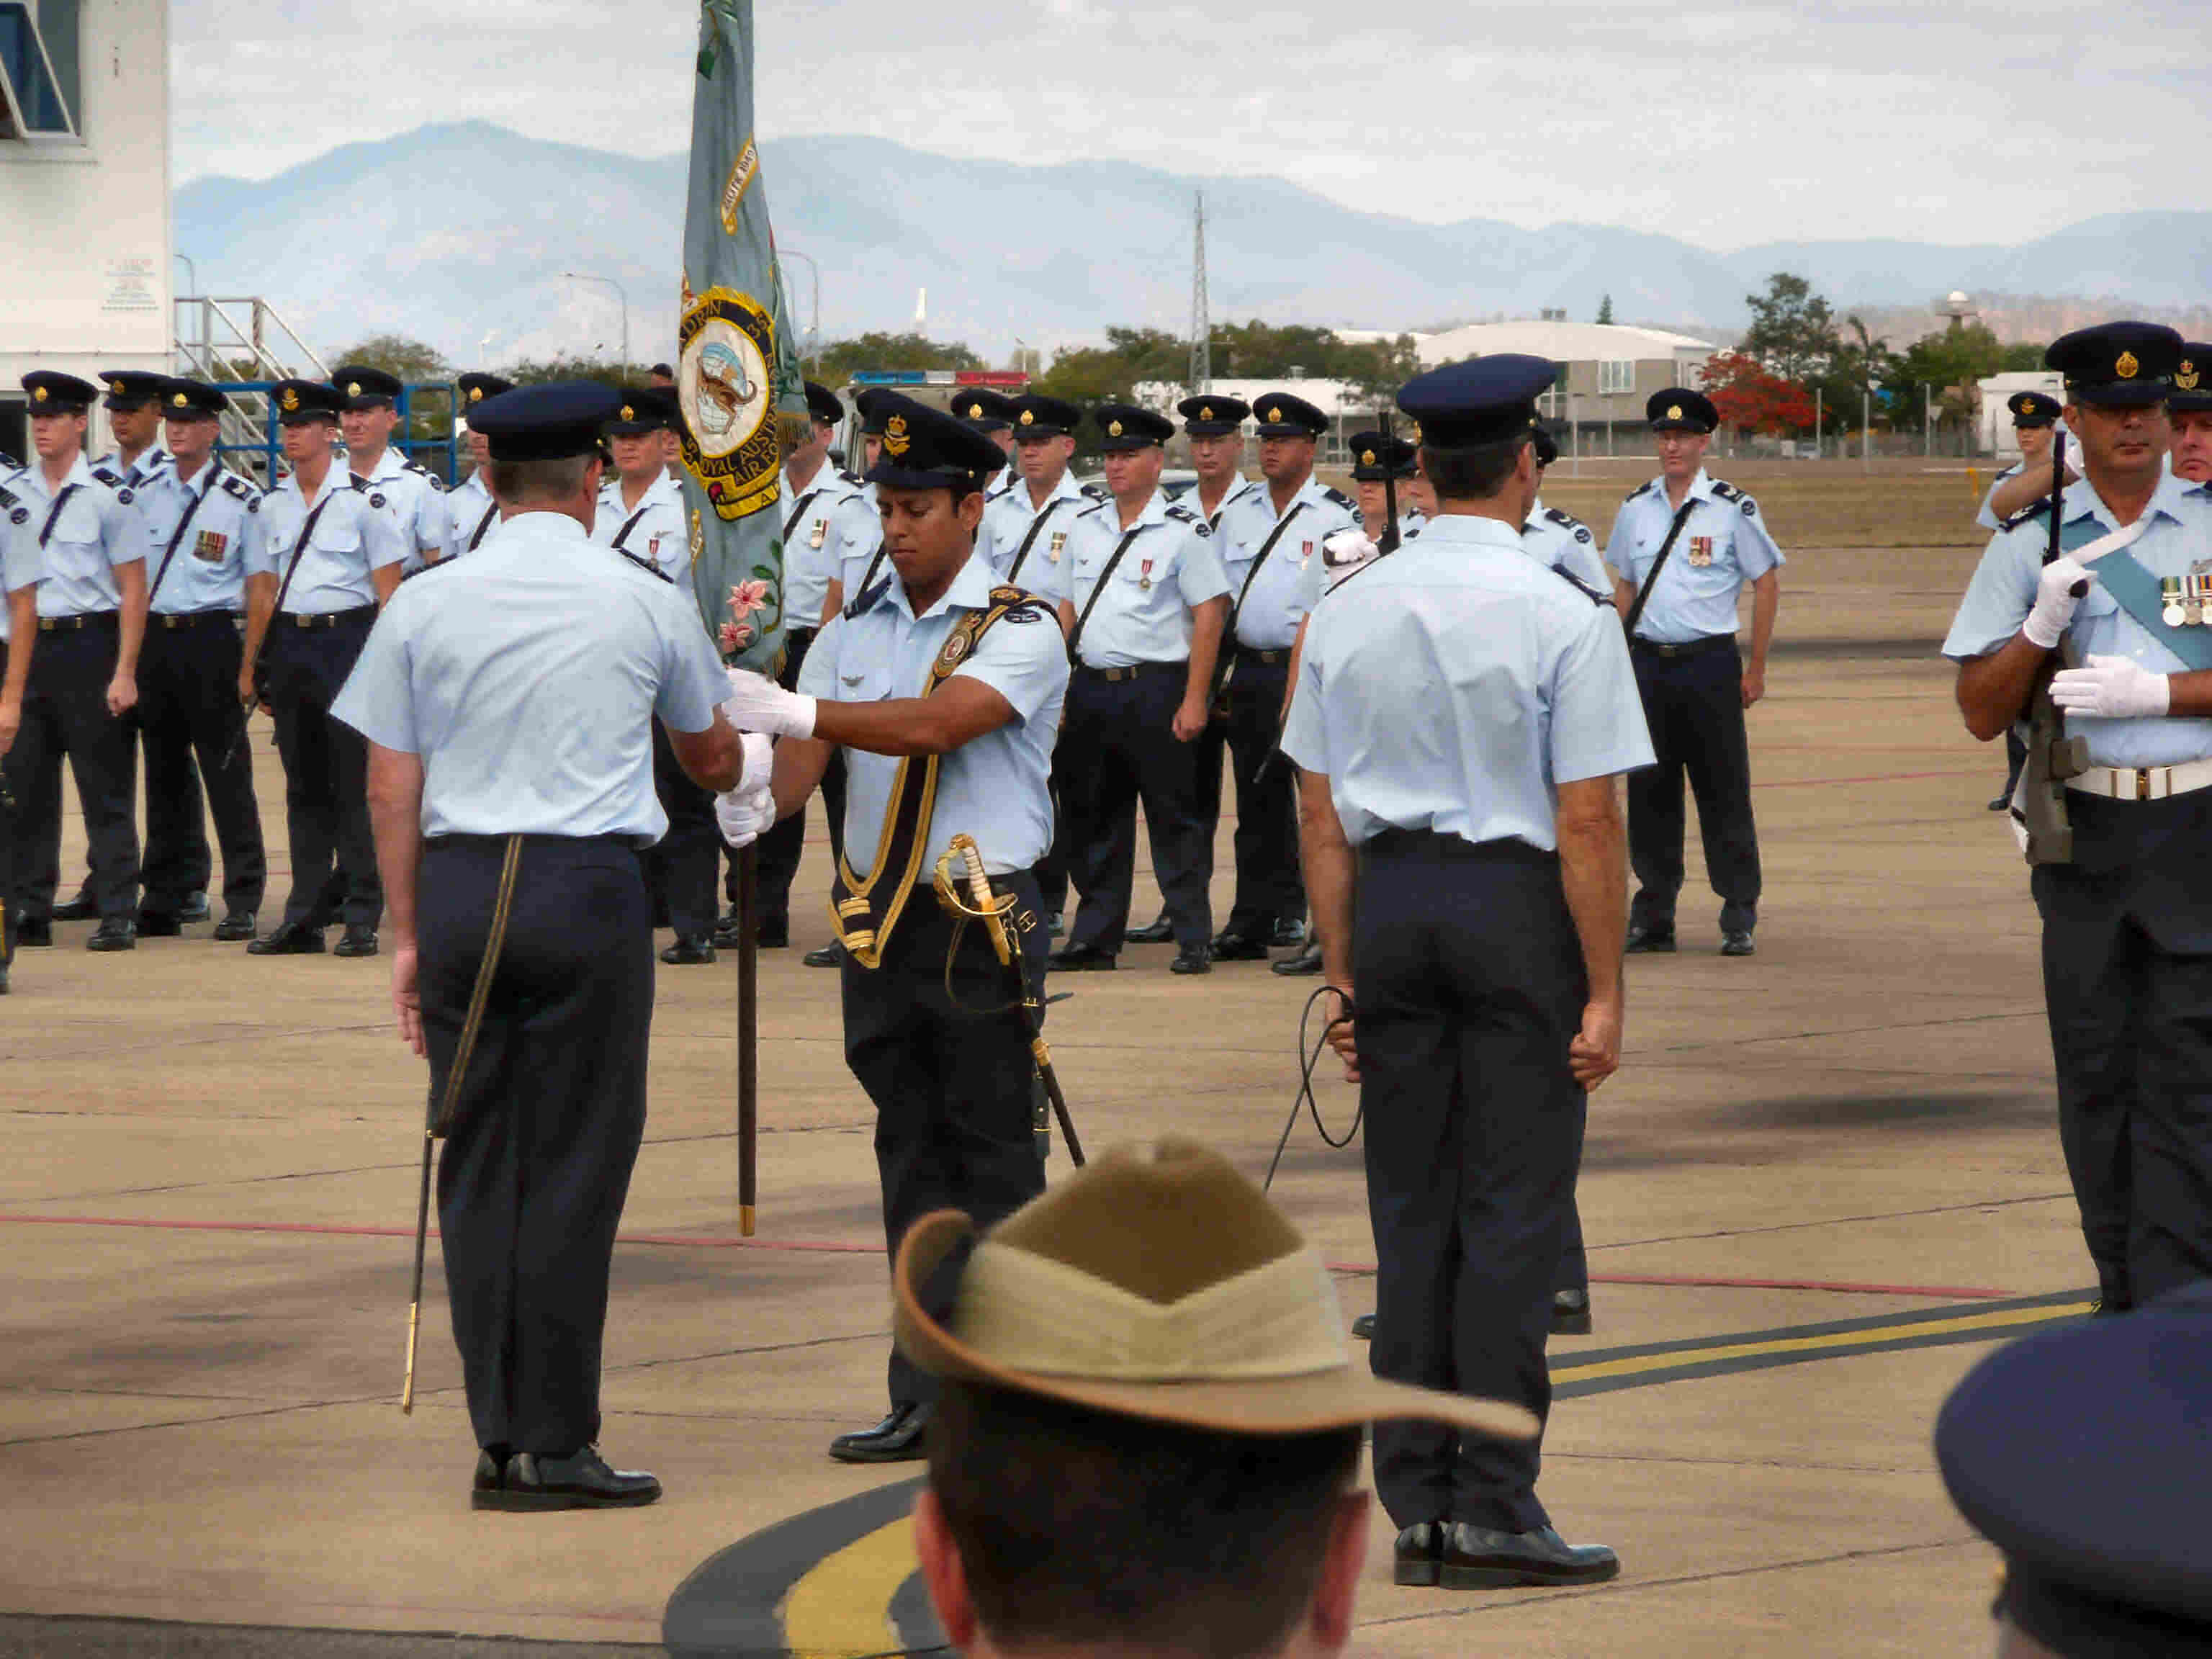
{"points": [[1954, 121]]}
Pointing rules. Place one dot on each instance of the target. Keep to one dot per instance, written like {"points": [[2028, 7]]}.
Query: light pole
{"points": [[814, 272], [585, 277]]}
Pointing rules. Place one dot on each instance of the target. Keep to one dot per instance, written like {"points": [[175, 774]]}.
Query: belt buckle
{"points": [[2142, 782]]}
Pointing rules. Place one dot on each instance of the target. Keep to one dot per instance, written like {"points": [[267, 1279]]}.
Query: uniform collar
{"points": [[389, 466], [2081, 500], [207, 471], [610, 492], [969, 590], [826, 477], [551, 526], [80, 472], [1536, 510], [1465, 529], [1311, 491], [1155, 512], [149, 462], [1701, 486]]}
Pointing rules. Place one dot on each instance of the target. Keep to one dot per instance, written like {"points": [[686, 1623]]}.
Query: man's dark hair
{"points": [[1078, 1527], [519, 481], [1474, 474]]}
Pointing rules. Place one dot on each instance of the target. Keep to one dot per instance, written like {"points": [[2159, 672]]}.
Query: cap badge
{"points": [[1367, 458], [894, 438], [2127, 365], [1114, 431], [1205, 411], [974, 411], [180, 401], [115, 388], [2185, 376], [1275, 416], [1029, 417], [1674, 412], [38, 396], [629, 414], [476, 394], [353, 388], [291, 400]]}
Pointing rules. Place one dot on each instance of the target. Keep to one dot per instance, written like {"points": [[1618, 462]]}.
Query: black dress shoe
{"points": [[581, 1482], [34, 932], [194, 909], [291, 939], [1238, 947], [490, 1476], [1363, 1328], [730, 934], [897, 1439], [160, 924], [1306, 964], [1287, 933], [1570, 1313], [828, 956], [1478, 1558], [2000, 803], [1082, 960], [1649, 941], [1417, 1556], [83, 907], [235, 925], [359, 940], [114, 934], [689, 951], [1196, 960], [1737, 944], [1158, 931]]}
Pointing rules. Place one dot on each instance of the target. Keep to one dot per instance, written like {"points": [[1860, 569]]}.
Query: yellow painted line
{"points": [[1877, 1335], [841, 1609]]}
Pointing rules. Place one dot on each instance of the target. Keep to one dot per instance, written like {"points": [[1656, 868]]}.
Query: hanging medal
{"points": [[1059, 541], [2170, 608], [821, 533], [1145, 577]]}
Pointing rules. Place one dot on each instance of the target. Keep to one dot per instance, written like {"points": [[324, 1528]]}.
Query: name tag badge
{"points": [[821, 533], [1701, 550]]}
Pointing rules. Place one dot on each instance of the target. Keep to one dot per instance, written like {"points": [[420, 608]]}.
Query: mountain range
{"points": [[458, 234]]}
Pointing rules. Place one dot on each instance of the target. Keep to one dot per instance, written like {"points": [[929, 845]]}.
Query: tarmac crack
{"points": [[1838, 1221]]}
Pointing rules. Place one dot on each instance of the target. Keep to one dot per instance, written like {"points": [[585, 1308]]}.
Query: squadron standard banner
{"points": [[735, 367]]}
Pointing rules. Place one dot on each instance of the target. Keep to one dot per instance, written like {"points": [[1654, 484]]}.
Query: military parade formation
{"points": [[1458, 729]]}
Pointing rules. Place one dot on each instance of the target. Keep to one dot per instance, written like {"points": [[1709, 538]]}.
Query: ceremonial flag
{"points": [[735, 372]]}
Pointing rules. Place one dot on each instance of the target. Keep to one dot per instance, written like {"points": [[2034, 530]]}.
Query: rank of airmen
{"points": [[1315, 647]]}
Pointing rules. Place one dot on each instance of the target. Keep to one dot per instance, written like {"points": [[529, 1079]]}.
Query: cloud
{"points": [[1725, 125]]}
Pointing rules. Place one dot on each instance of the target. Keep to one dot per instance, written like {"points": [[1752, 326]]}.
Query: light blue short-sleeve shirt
{"points": [[1560, 541], [1463, 686], [21, 564], [352, 536], [1723, 544], [414, 502], [994, 787], [472, 515], [527, 677], [651, 528], [1012, 514], [1144, 615], [1270, 610], [829, 526], [214, 518], [2002, 592], [99, 527]]}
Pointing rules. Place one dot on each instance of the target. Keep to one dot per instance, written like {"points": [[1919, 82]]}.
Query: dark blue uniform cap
{"points": [[53, 392], [1547, 445], [547, 422], [475, 387], [363, 387], [1374, 458], [2126, 365], [131, 388], [822, 403], [2085, 1454], [1213, 416], [1678, 408], [301, 401], [1036, 415], [2192, 377], [643, 409], [1282, 416], [1483, 400], [190, 400], [2033, 409], [869, 402], [1125, 426], [925, 449], [984, 409]]}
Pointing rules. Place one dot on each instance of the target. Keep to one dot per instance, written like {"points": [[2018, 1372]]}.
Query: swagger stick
{"points": [[748, 1034]]}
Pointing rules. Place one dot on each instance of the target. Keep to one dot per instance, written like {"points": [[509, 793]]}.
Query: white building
{"points": [[1993, 424], [1347, 408], [85, 281]]}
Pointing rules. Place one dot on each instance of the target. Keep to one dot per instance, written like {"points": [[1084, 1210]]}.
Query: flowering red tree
{"points": [[1752, 399]]}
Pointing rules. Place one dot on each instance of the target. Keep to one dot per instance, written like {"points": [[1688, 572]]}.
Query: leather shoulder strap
{"points": [[1643, 594], [1099, 590]]}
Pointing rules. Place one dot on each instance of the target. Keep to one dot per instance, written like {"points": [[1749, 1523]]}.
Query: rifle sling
{"points": [[799, 511], [1643, 594], [1224, 661], [483, 524], [300, 548], [54, 513], [1099, 590], [1022, 553], [177, 537]]}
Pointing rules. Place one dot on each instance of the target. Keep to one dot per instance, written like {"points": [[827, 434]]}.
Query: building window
{"points": [[37, 69], [1615, 375]]}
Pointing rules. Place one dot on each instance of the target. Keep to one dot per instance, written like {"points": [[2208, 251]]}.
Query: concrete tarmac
{"points": [[1824, 1182]]}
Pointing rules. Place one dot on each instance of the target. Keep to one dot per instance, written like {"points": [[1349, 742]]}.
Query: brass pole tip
{"points": [[746, 1219]]}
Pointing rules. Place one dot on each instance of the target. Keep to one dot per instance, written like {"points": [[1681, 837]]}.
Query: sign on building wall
{"points": [[128, 285]]}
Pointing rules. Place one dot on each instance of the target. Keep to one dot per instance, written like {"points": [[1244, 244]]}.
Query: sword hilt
{"points": [[990, 906]]}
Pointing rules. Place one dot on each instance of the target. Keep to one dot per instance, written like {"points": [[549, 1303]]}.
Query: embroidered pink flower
{"points": [[748, 596], [735, 636]]}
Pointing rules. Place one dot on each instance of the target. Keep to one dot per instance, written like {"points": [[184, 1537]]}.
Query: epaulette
{"points": [[1580, 585], [852, 478], [231, 485], [867, 599], [108, 476], [1176, 510], [1095, 507], [1567, 521], [1175, 492], [1097, 492], [1643, 488], [12, 506], [1728, 492], [2025, 515], [436, 482], [1338, 498], [1021, 605], [646, 565]]}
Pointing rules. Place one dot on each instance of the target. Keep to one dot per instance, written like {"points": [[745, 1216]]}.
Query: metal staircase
{"points": [[242, 345]]}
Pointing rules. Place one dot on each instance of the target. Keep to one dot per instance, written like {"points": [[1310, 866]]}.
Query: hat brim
{"points": [[1309, 1404], [1283, 429], [634, 429], [1023, 434], [1211, 428], [2194, 402], [889, 476], [1128, 441], [302, 416], [2122, 394]]}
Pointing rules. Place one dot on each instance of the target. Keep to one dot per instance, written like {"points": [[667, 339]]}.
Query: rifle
{"points": [[1387, 542], [2038, 805]]}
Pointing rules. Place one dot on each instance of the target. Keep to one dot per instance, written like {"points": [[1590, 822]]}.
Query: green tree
{"points": [[1943, 369], [1859, 365], [395, 353], [1793, 332], [536, 371], [1605, 309], [2022, 358], [840, 359]]}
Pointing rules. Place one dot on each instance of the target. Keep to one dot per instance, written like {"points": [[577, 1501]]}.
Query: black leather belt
{"points": [[77, 623], [1253, 653], [174, 620], [1687, 649], [1116, 675], [322, 619]]}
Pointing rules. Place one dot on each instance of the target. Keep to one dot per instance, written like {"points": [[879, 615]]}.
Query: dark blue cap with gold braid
{"points": [[2124, 365], [925, 449], [2192, 377], [547, 422], [1483, 400]]}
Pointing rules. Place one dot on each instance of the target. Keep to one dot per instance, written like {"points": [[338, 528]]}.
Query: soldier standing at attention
{"points": [[827, 524], [1557, 540], [2034, 420], [91, 541], [2127, 921], [943, 691], [1269, 542], [471, 513], [133, 405], [369, 415], [1143, 624], [1695, 682], [1376, 460], [507, 702], [992, 414], [330, 554], [21, 569], [1026, 526], [1459, 720], [205, 526]]}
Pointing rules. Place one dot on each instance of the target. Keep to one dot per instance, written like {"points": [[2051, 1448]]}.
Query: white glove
{"points": [[1346, 549], [758, 704], [2114, 688], [2054, 603], [759, 759], [745, 813]]}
